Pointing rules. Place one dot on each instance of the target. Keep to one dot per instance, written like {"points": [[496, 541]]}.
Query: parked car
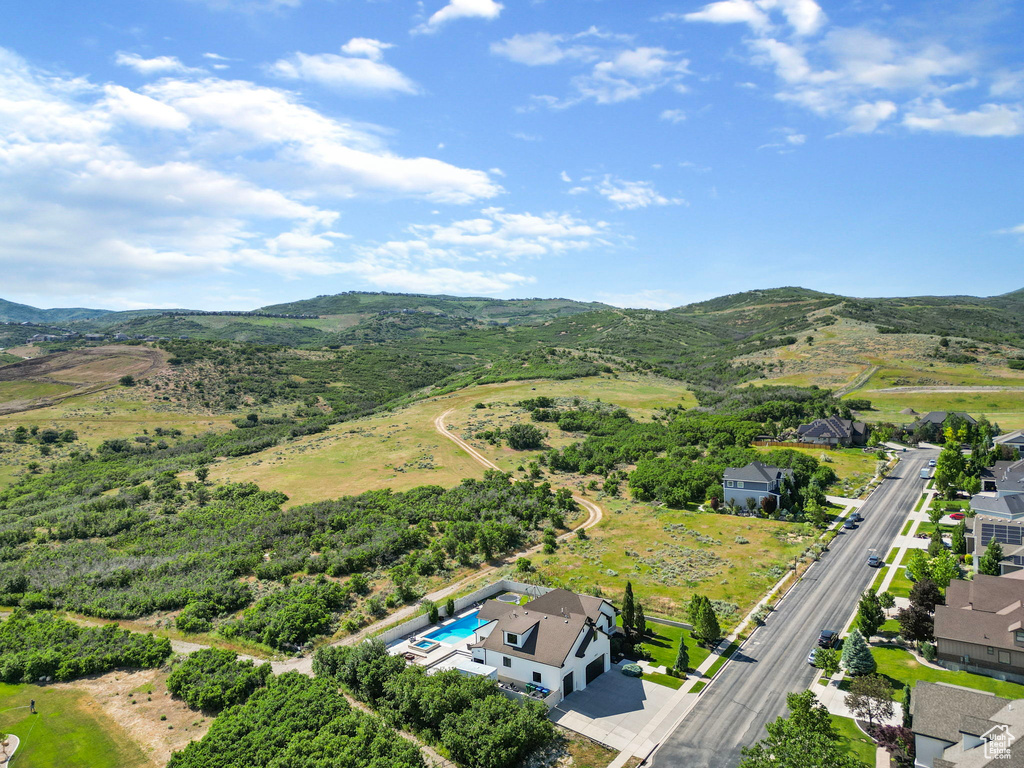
{"points": [[931, 463], [875, 561], [828, 638], [850, 524], [856, 516], [812, 656], [957, 516]]}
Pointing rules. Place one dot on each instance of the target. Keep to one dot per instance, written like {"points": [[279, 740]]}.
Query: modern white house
{"points": [[560, 641]]}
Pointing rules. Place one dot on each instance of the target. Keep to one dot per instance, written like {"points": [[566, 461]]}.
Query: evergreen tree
{"points": [[936, 546], [682, 656], [857, 658], [908, 719], [869, 614], [989, 563], [640, 621], [958, 541], [628, 609], [706, 628]]}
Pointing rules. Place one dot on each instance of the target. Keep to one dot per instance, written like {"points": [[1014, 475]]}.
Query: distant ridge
{"points": [[11, 312]]}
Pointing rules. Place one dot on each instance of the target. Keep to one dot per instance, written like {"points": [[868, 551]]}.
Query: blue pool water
{"points": [[460, 630]]}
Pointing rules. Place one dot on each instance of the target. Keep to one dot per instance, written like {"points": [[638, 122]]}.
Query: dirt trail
{"points": [[941, 389]]}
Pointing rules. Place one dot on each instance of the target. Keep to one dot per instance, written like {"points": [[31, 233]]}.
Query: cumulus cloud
{"points": [[988, 120], [244, 178], [158, 65], [615, 69], [460, 9], [360, 71], [630, 195], [673, 115]]}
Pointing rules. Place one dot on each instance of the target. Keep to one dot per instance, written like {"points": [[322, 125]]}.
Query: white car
{"points": [[931, 463]]}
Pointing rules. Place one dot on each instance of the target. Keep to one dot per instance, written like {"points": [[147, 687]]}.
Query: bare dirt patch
{"points": [[83, 370], [136, 701]]}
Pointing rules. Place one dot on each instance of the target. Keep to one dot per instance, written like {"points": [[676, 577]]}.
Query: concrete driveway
{"points": [[613, 709]]}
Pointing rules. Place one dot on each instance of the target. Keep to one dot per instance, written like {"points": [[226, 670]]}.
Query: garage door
{"points": [[595, 668]]}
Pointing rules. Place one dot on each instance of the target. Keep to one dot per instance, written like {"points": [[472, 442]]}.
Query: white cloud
{"points": [[125, 104], [565, 177], [802, 17], [158, 65], [730, 12], [866, 117], [988, 120], [796, 139], [630, 195], [362, 71], [616, 70], [460, 9], [673, 115]]}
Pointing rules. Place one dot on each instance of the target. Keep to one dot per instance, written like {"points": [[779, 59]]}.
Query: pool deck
{"points": [[443, 648]]}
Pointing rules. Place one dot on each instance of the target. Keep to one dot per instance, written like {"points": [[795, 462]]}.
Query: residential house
{"points": [[94, 337], [560, 641], [1013, 439], [999, 514], [939, 418], [121, 337], [980, 629], [754, 481], [957, 727], [833, 431], [1004, 478]]}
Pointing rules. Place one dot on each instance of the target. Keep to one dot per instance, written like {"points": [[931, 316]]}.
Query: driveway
{"points": [[613, 709]]}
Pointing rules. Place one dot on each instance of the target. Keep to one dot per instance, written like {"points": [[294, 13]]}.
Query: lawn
{"points": [[30, 390], [900, 585], [853, 467], [662, 644], [902, 668], [669, 555], [1003, 407], [67, 732], [854, 740]]}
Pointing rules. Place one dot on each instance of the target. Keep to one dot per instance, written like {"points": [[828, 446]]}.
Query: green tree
{"points": [[628, 609], [857, 658], [926, 594], [805, 739], [870, 698], [887, 600], [202, 472], [989, 563], [524, 437], [958, 542], [869, 614], [827, 660], [935, 513], [917, 564], [127, 380], [640, 621], [706, 628], [916, 624], [936, 544], [449, 608], [943, 568], [908, 718], [682, 656], [948, 468]]}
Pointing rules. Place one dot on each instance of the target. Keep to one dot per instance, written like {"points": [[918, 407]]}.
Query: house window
{"points": [[536, 677], [739, 483], [512, 639], [991, 651], [1019, 635], [728, 484], [1004, 657], [506, 661]]}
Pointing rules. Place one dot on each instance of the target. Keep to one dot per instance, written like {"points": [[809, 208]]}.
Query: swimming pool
{"points": [[460, 630]]}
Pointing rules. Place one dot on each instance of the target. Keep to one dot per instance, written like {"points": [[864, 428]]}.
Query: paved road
{"points": [[751, 689]]}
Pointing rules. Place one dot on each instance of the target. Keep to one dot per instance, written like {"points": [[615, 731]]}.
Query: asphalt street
{"points": [[751, 690]]}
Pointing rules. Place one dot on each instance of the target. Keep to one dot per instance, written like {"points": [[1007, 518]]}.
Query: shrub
{"points": [[212, 679]]}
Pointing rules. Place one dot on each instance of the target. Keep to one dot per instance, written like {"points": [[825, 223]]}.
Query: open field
{"points": [[852, 465], [401, 449], [669, 555], [1005, 408], [70, 730]]}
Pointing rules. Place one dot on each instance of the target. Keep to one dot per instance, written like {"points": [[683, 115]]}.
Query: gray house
{"points": [[958, 727], [833, 431], [1013, 439], [754, 481]]}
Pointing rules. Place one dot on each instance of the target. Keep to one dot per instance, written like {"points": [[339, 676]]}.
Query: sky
{"points": [[230, 154]]}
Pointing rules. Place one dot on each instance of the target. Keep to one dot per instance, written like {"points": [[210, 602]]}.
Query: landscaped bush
{"points": [[41, 645], [211, 679], [632, 670]]}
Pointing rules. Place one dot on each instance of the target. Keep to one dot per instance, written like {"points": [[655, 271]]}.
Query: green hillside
{"points": [[22, 313]]}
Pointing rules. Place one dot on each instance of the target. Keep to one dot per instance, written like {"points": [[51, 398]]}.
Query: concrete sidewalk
{"points": [[833, 699]]}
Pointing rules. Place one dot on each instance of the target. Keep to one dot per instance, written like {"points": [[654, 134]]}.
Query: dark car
{"points": [[850, 524], [856, 516], [874, 561], [828, 638]]}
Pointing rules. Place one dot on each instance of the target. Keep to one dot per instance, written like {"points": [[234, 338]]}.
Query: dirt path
{"points": [[859, 381], [925, 390]]}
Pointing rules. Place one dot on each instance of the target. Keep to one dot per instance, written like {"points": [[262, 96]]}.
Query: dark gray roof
{"points": [[756, 472], [833, 426], [984, 611], [1017, 436], [556, 619], [938, 710], [938, 417]]}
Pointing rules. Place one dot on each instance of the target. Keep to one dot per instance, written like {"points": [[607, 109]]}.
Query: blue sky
{"points": [[236, 153]]}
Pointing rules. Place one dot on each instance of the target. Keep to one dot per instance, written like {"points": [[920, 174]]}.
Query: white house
{"points": [[560, 641]]}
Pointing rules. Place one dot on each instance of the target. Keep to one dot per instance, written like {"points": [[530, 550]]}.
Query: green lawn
{"points": [[854, 739], [906, 528], [902, 668], [663, 643], [666, 680], [65, 733], [900, 585], [920, 502]]}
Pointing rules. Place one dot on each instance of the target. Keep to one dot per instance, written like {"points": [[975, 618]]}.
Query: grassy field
{"points": [[30, 390], [1003, 408], [401, 450], [854, 467], [68, 732], [735, 559], [854, 740], [902, 668]]}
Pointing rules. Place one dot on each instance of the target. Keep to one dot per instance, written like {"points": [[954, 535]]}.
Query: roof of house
{"points": [[945, 711], [1002, 506], [984, 611], [833, 426], [556, 618], [756, 472], [1017, 436], [1007, 475], [938, 417]]}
